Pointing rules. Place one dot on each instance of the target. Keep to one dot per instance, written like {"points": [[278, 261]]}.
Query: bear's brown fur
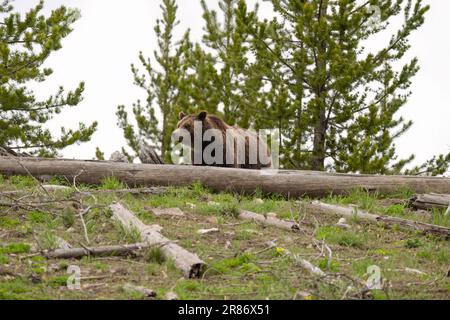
{"points": [[236, 135]]}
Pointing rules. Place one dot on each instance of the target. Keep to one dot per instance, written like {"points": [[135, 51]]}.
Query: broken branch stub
{"points": [[268, 220]]}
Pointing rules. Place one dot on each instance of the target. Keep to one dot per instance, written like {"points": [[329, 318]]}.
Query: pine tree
{"points": [[235, 87], [340, 100], [26, 41], [437, 165], [165, 86]]}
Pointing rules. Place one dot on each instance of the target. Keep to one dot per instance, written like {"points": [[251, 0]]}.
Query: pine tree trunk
{"points": [[320, 129], [318, 158], [164, 144]]}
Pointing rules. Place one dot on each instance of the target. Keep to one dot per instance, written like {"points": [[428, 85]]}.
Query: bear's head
{"points": [[207, 121], [194, 126]]}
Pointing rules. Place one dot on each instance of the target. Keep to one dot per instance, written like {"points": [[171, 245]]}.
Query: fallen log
{"points": [[144, 292], [56, 188], [388, 221], [429, 201], [305, 264], [170, 212], [191, 265], [268, 220], [134, 191], [285, 182], [114, 250]]}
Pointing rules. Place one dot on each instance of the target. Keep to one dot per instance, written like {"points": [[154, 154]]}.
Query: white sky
{"points": [[110, 33]]}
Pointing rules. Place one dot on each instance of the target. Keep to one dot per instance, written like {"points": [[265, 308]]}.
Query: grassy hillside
{"points": [[245, 260]]}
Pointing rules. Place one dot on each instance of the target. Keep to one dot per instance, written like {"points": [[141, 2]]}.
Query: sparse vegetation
{"points": [[15, 248], [111, 183], [341, 237], [155, 255], [240, 263]]}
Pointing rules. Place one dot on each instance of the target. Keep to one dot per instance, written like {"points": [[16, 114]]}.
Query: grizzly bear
{"points": [[215, 143]]}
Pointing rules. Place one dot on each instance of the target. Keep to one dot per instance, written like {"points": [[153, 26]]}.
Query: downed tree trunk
{"points": [[55, 188], [387, 220], [305, 264], [115, 250], [268, 220], [135, 191], [189, 263], [429, 201], [144, 292], [286, 182], [171, 212]]}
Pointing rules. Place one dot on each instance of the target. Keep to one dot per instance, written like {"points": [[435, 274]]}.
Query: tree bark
{"points": [[284, 182], [268, 221], [115, 250], [429, 201], [321, 126], [148, 155], [389, 221], [189, 263]]}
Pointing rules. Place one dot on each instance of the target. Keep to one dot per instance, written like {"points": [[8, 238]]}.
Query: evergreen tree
{"points": [[235, 87], [25, 44], [165, 86], [340, 100], [437, 165], [99, 155]]}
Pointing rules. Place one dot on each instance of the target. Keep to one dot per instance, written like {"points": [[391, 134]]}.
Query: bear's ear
{"points": [[202, 115], [181, 115]]}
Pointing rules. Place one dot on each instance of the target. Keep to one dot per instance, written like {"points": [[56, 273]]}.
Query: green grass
{"points": [[360, 266], [394, 210], [127, 235], [47, 240], [240, 263], [3, 259], [58, 281], [15, 248], [341, 237], [412, 243], [9, 223], [155, 255], [111, 183], [38, 217], [101, 266], [439, 218], [23, 181], [68, 217], [59, 181], [229, 265], [363, 199], [434, 254], [403, 193], [14, 289], [333, 265]]}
